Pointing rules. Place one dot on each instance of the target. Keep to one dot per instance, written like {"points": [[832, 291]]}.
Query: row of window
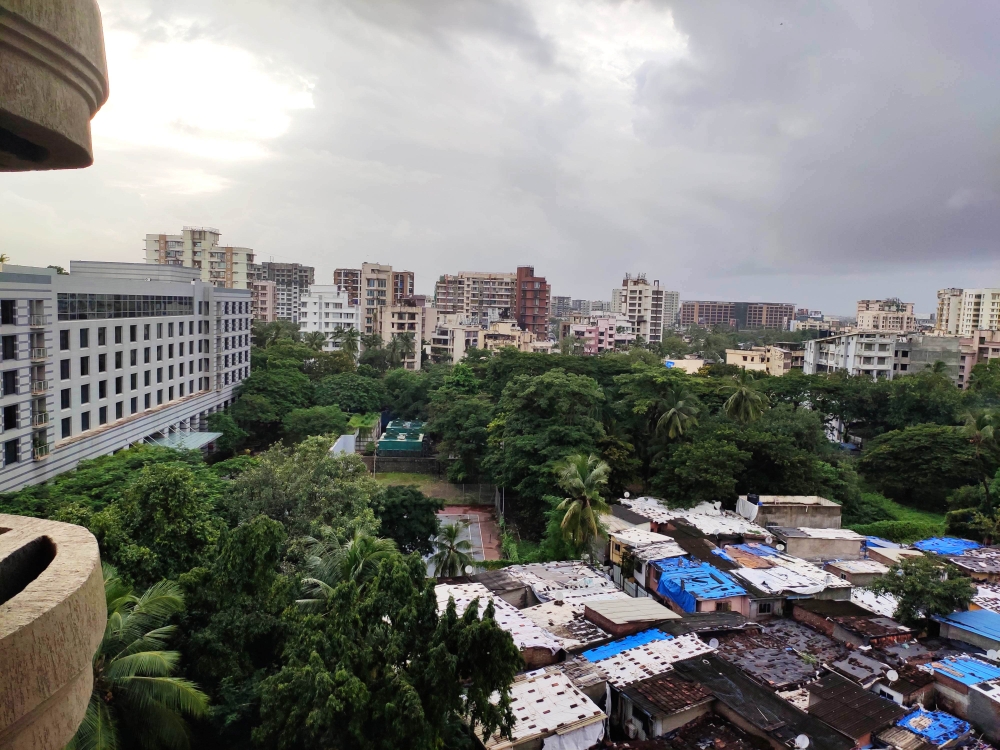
{"points": [[84, 306], [65, 395], [133, 333], [66, 424]]}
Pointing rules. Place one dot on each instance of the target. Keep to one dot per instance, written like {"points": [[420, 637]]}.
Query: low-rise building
{"points": [[626, 616], [881, 355], [911, 686], [451, 339], [687, 585], [549, 706], [851, 624], [820, 545], [685, 365], [890, 555], [938, 728], [984, 709], [850, 709], [980, 628], [809, 511], [756, 709], [719, 525], [981, 564], [857, 572], [645, 654], [606, 332], [747, 359], [955, 676], [658, 705]]}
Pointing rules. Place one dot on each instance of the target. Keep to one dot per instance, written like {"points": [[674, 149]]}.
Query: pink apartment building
{"points": [[603, 333]]}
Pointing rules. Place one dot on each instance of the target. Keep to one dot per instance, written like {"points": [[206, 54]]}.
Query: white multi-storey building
{"points": [[881, 354], [642, 303], [198, 247], [109, 355], [327, 308], [962, 312], [886, 315]]}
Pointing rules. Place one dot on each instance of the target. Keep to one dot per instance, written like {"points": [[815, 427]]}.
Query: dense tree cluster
{"points": [[209, 564]]}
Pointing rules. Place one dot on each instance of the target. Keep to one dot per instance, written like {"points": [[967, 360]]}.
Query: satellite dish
{"points": [[768, 539], [627, 494], [780, 547], [892, 675], [717, 505], [468, 570], [993, 654], [802, 742], [714, 643]]}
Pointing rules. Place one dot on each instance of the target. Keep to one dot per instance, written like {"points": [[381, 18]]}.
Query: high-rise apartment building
{"points": [[262, 295], [740, 315], [350, 280], [410, 318], [198, 247], [479, 297], [616, 300], [560, 307], [328, 309], [963, 311], [109, 355], [531, 302], [642, 303], [372, 286], [291, 280], [886, 315]]}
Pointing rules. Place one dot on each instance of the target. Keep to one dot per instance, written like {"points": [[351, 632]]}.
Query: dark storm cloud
{"points": [[812, 152]]}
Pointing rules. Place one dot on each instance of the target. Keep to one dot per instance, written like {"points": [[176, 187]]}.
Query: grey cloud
{"points": [[816, 153]]}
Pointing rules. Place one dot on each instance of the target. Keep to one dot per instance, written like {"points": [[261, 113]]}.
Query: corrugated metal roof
{"points": [[849, 708], [681, 575], [965, 669], [631, 609], [545, 704], [903, 739], [981, 622], [651, 659], [945, 545], [667, 693]]}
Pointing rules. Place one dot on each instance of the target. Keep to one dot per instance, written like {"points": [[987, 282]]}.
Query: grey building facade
{"points": [[107, 356], [291, 281]]}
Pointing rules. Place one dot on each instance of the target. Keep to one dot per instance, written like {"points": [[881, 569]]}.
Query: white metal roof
{"points": [[546, 703], [526, 634], [704, 517], [880, 604], [793, 500], [651, 659], [639, 537], [860, 566], [563, 618]]}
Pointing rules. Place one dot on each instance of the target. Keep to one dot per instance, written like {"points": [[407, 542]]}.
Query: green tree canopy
{"points": [[379, 669], [353, 393], [925, 587], [460, 423], [920, 465], [316, 420], [409, 517], [164, 525]]}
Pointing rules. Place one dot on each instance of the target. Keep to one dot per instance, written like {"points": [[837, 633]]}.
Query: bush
{"points": [[902, 532], [871, 508]]}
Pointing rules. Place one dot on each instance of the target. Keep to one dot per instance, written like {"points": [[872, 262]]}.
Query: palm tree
{"points": [[134, 690], [678, 412], [329, 563], [407, 344], [315, 340], [371, 341], [745, 404], [395, 349], [349, 340], [979, 429], [454, 554], [583, 478]]}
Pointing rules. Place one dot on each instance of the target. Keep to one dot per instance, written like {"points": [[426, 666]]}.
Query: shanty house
{"points": [[820, 544], [955, 676], [979, 628], [657, 705], [857, 572], [850, 709], [938, 728], [790, 510], [911, 686], [688, 585], [625, 616]]}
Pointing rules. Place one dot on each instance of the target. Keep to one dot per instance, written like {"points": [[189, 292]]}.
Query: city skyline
{"points": [[821, 157]]}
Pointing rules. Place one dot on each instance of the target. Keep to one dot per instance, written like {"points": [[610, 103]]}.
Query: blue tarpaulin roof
{"points": [[946, 545], [966, 670], [756, 548], [983, 622], [633, 641], [875, 541], [685, 581], [935, 726]]}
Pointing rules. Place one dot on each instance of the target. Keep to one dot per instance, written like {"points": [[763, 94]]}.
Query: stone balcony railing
{"points": [[52, 619]]}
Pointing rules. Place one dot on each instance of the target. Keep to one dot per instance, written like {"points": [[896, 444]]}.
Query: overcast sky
{"points": [[814, 153]]}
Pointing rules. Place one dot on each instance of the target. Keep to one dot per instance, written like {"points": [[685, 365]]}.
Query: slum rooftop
{"points": [[945, 545], [791, 500], [705, 517], [849, 708]]}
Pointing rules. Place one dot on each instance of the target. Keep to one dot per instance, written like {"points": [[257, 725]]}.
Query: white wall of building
{"points": [[327, 308]]}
